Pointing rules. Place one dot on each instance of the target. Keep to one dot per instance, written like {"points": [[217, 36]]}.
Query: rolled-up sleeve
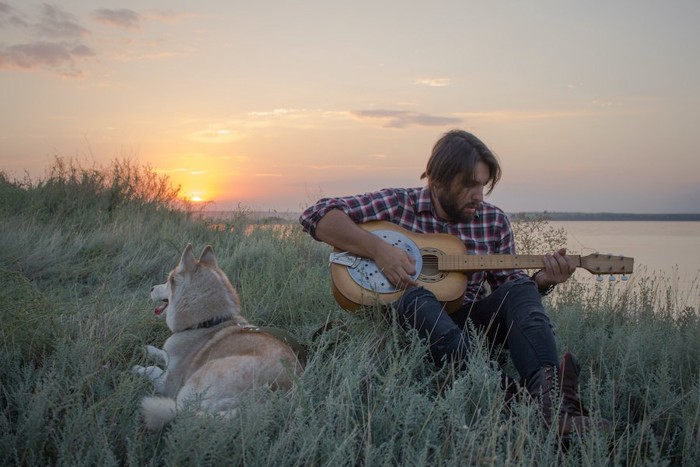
{"points": [[312, 215]]}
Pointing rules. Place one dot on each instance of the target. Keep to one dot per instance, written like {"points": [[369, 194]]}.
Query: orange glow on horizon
{"points": [[199, 182], [220, 183]]}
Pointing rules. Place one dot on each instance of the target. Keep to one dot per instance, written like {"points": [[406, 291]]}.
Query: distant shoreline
{"points": [[552, 216]]}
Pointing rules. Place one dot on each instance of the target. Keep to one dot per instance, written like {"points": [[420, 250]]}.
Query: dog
{"points": [[213, 355]]}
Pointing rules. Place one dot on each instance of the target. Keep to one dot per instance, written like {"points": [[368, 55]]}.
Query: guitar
{"points": [[442, 266]]}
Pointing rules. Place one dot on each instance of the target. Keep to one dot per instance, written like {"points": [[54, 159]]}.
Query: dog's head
{"points": [[196, 291]]}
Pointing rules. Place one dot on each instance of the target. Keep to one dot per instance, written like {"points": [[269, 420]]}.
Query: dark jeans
{"points": [[512, 316]]}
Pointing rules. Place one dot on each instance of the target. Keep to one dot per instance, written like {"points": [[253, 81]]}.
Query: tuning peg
{"points": [[612, 278], [599, 278], [624, 277]]}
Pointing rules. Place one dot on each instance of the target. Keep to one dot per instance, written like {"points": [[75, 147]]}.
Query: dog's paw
{"points": [[151, 372], [139, 370], [157, 354]]}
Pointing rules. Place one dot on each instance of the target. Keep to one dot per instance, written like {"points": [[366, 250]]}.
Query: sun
{"points": [[196, 197]]}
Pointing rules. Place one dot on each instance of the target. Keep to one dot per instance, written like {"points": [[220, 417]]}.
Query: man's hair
{"points": [[455, 155]]}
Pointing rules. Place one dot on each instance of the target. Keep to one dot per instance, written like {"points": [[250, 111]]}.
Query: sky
{"points": [[269, 105]]}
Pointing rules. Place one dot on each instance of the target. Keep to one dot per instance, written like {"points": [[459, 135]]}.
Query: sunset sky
{"points": [[591, 106]]}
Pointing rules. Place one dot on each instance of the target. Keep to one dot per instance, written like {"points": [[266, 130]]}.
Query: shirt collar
{"points": [[424, 203]]}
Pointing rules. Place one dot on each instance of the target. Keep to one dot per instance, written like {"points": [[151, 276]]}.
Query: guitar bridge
{"points": [[344, 258]]}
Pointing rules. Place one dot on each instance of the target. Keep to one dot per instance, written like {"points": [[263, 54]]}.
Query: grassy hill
{"points": [[81, 248]]}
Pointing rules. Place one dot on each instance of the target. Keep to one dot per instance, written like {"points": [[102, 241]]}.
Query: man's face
{"points": [[459, 202]]}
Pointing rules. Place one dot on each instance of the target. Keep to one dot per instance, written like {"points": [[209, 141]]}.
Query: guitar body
{"points": [[448, 286]]}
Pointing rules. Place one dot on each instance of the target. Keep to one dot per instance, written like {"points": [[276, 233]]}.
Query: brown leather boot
{"points": [[573, 415], [541, 386]]}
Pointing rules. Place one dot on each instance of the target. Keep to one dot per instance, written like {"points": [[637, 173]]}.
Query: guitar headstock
{"points": [[607, 264]]}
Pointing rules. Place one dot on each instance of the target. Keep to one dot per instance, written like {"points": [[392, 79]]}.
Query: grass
{"points": [[80, 249]]}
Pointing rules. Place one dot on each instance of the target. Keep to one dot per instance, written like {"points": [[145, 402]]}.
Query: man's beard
{"points": [[455, 213]]}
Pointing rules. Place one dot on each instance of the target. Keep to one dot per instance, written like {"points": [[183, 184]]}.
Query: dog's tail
{"points": [[158, 412]]}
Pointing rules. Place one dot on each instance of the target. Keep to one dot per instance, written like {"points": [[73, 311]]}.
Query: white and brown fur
{"points": [[213, 354]]}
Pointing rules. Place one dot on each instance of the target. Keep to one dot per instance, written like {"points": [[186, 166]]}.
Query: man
{"points": [[506, 304]]}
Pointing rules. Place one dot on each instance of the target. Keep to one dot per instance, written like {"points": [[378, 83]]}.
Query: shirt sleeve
{"points": [[379, 205]]}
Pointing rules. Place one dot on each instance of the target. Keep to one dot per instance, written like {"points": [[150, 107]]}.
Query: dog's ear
{"points": [[207, 257], [187, 261]]}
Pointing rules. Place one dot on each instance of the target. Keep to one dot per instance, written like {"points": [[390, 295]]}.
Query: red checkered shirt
{"points": [[488, 233]]}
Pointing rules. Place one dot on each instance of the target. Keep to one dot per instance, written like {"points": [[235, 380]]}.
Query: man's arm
{"points": [[338, 230]]}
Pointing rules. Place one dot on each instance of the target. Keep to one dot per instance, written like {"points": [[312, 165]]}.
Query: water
{"points": [[670, 250], [660, 246]]}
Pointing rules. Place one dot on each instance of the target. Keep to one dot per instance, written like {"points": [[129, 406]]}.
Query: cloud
{"points": [[403, 118], [56, 23], [244, 125], [167, 15], [215, 134], [60, 57], [9, 16], [122, 18], [433, 82], [279, 112], [54, 41]]}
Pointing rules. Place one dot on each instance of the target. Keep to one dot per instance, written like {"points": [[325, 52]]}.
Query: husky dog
{"points": [[213, 354]]}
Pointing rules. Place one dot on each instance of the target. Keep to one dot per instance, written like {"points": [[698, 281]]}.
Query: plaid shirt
{"points": [[411, 208]]}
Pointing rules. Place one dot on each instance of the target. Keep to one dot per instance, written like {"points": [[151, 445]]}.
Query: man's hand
{"points": [[338, 230], [557, 269], [396, 264]]}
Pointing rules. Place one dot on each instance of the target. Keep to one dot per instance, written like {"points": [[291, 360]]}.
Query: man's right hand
{"points": [[396, 264]]}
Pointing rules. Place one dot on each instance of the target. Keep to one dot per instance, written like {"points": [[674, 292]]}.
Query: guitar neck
{"points": [[446, 253], [465, 263]]}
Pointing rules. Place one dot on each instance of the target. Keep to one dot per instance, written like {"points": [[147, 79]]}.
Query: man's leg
{"points": [[513, 315], [419, 309]]}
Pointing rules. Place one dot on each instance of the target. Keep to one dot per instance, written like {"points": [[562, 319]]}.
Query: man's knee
{"points": [[411, 302], [419, 309], [452, 347]]}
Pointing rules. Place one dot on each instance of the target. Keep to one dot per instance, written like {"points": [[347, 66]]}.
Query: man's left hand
{"points": [[557, 269]]}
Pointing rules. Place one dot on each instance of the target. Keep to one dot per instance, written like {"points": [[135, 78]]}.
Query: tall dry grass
{"points": [[80, 249]]}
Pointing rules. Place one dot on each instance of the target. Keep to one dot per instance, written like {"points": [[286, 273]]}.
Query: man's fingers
{"points": [[403, 278], [558, 265], [410, 268], [566, 263]]}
